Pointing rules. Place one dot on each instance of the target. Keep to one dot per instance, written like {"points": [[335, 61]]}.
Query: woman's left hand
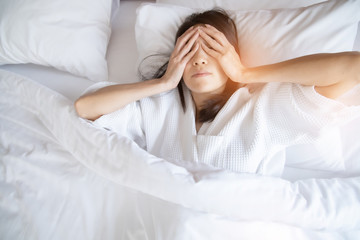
{"points": [[219, 48]]}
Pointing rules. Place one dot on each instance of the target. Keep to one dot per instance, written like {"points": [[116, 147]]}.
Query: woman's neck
{"points": [[200, 99]]}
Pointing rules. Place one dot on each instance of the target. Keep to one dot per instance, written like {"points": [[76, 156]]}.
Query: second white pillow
{"points": [[265, 36]]}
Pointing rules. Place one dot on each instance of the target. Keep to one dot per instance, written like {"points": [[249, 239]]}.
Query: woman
{"points": [[224, 120]]}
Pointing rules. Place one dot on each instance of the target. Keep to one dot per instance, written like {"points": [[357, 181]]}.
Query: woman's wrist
{"points": [[167, 84], [245, 75], [240, 75]]}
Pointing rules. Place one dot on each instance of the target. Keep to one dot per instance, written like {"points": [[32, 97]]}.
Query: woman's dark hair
{"points": [[219, 19]]}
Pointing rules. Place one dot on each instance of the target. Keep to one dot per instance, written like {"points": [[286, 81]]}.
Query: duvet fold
{"points": [[312, 204]]}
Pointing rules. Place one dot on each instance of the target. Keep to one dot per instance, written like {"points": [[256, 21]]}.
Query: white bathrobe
{"points": [[250, 134]]}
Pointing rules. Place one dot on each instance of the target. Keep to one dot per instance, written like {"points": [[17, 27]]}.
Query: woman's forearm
{"points": [[109, 99], [321, 70]]}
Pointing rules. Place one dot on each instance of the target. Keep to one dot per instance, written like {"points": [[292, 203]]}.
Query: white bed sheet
{"points": [[53, 196]]}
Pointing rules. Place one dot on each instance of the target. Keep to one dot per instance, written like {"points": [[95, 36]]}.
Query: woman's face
{"points": [[203, 74]]}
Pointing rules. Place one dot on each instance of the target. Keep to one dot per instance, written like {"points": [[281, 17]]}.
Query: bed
{"points": [[63, 178]]}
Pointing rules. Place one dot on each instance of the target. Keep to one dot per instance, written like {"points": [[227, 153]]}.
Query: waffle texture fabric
{"points": [[250, 134]]}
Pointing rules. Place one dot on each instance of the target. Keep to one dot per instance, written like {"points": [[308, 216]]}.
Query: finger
{"points": [[215, 34], [188, 46], [180, 42], [191, 53], [213, 53], [211, 41], [184, 38]]}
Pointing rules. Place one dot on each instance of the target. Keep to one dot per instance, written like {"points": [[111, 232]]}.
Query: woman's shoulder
{"points": [[276, 90], [260, 95]]}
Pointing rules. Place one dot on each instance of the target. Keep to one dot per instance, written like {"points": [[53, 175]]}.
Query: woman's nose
{"points": [[199, 58]]}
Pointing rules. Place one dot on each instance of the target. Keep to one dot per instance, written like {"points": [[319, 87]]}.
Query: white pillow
{"points": [[357, 40], [115, 6], [70, 35], [241, 4], [265, 36]]}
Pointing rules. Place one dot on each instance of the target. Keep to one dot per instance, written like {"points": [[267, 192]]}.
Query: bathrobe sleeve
{"points": [[311, 126], [294, 112], [126, 121]]}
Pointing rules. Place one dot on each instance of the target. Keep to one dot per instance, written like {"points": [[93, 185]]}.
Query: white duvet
{"points": [[61, 178]]}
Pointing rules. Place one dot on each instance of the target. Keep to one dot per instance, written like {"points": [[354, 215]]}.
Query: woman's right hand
{"points": [[221, 49], [112, 98], [184, 50]]}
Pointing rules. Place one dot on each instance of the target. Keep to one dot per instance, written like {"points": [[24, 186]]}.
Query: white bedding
{"points": [[85, 188], [121, 57], [60, 178]]}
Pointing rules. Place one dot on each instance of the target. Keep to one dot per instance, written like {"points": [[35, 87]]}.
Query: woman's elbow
{"points": [[79, 108], [82, 109]]}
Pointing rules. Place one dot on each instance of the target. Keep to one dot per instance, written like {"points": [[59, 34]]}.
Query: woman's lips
{"points": [[201, 74]]}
